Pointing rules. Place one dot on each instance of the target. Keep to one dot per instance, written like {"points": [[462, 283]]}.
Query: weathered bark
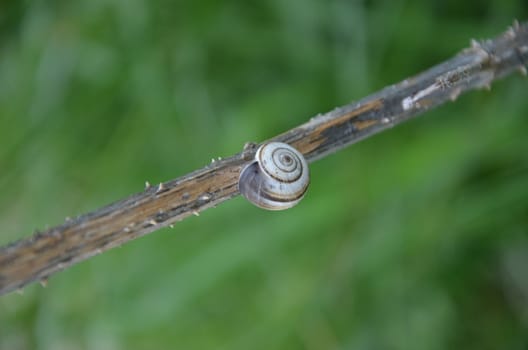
{"points": [[37, 257]]}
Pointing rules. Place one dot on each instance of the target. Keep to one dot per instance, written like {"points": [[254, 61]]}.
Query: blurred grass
{"points": [[414, 239]]}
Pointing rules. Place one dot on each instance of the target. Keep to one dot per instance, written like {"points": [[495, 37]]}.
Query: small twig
{"points": [[37, 257]]}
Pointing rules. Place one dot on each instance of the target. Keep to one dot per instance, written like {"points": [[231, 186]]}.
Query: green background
{"points": [[416, 238]]}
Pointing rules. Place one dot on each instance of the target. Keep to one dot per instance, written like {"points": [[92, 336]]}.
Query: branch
{"points": [[37, 257]]}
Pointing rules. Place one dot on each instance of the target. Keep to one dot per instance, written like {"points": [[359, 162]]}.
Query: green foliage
{"points": [[414, 239]]}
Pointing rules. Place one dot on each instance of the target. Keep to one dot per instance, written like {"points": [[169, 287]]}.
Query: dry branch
{"points": [[37, 257]]}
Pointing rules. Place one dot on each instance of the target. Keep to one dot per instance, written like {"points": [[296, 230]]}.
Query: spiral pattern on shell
{"points": [[277, 179]]}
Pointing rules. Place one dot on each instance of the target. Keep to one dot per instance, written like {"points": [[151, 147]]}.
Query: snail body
{"points": [[277, 179]]}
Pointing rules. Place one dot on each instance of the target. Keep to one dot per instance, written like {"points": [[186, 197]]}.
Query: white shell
{"points": [[277, 179]]}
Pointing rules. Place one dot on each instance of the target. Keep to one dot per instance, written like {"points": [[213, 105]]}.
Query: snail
{"points": [[277, 178]]}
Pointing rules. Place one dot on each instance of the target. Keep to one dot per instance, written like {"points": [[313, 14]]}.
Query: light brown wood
{"points": [[37, 257]]}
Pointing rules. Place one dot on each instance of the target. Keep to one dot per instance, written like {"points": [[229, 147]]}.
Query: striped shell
{"points": [[277, 179]]}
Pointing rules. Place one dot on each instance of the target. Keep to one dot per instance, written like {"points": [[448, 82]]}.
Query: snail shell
{"points": [[277, 179]]}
